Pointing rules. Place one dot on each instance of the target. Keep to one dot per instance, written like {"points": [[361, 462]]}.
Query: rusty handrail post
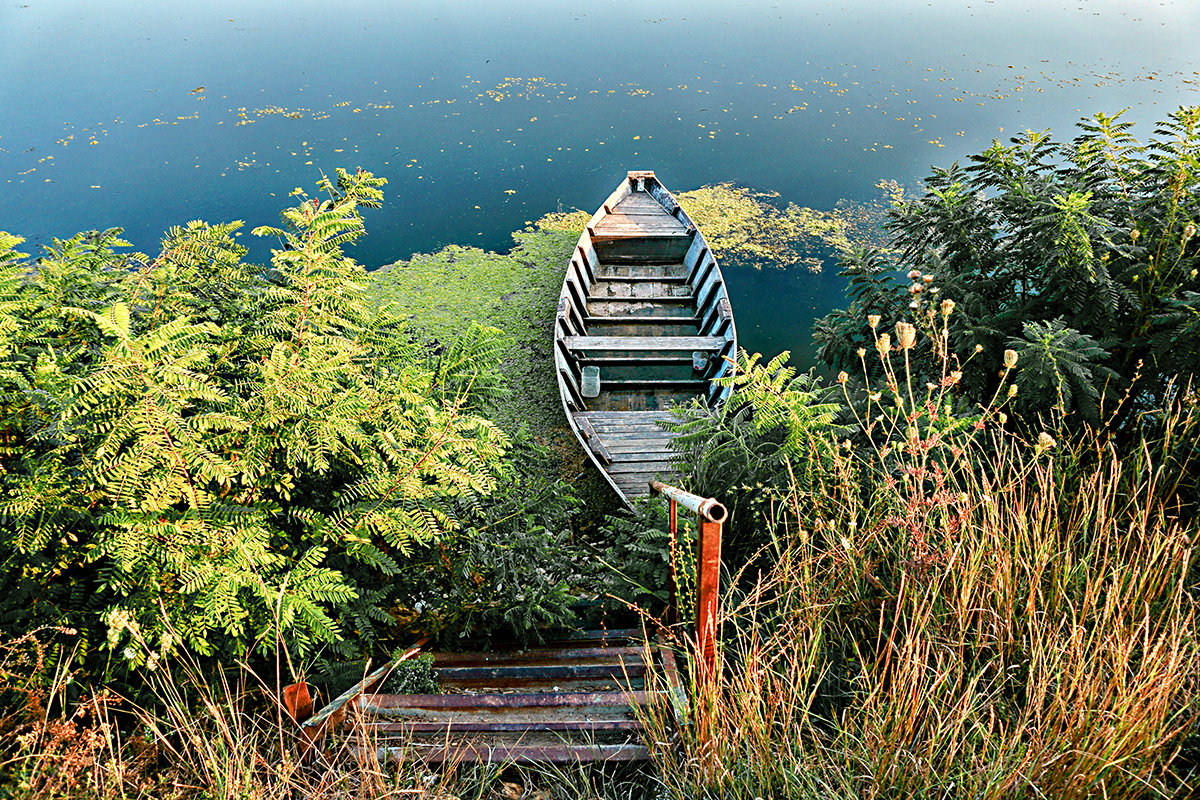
{"points": [[710, 516]]}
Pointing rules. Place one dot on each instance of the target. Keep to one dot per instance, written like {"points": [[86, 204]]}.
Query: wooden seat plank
{"points": [[652, 383], [640, 201], [603, 416], [629, 424], [645, 343], [643, 458]]}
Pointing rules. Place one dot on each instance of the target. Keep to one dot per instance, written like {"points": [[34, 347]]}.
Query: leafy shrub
{"points": [[1082, 256], [412, 676], [757, 441], [511, 571], [198, 454]]}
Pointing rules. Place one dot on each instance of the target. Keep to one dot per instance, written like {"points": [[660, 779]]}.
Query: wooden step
{"points": [[529, 714], [483, 752]]}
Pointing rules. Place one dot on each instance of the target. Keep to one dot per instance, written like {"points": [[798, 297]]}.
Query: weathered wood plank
{"points": [[661, 298], [594, 441], [686, 319], [650, 468], [641, 343], [641, 249], [652, 383], [606, 415], [615, 231], [643, 215], [643, 457], [616, 446], [648, 428], [640, 201], [641, 278], [630, 361]]}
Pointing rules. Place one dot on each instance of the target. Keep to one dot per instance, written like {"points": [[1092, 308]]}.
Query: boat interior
{"points": [[644, 323]]}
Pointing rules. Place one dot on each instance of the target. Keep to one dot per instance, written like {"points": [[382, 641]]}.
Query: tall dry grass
{"points": [[955, 612]]}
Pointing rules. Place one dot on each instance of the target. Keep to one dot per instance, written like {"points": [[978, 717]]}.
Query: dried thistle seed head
{"points": [[1046, 441], [947, 307], [978, 348], [906, 333], [1010, 359], [1012, 390], [927, 278], [914, 274], [873, 321], [883, 344], [1189, 231], [862, 351], [843, 377], [916, 288]]}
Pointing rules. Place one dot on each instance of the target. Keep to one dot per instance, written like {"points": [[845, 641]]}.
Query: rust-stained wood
{"points": [[520, 706], [521, 753], [645, 285], [708, 576]]}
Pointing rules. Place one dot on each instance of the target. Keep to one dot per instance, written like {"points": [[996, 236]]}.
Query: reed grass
{"points": [[954, 611]]}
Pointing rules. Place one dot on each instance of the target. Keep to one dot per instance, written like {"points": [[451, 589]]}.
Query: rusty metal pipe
{"points": [[706, 507]]}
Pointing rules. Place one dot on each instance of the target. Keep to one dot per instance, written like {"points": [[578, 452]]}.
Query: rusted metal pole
{"points": [[711, 516], [708, 585]]}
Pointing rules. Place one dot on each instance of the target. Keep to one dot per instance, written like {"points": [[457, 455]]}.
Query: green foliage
{"points": [[412, 676], [200, 454], [1060, 362], [1081, 255], [773, 429], [514, 570]]}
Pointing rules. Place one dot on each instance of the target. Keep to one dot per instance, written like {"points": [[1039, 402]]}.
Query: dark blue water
{"points": [[484, 115]]}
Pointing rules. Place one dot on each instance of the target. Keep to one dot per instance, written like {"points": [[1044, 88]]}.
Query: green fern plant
{"points": [[1058, 363]]}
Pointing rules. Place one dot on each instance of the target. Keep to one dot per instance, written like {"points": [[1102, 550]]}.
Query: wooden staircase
{"points": [[572, 699]]}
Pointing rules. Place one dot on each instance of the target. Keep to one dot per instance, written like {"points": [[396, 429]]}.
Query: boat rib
{"points": [[643, 324]]}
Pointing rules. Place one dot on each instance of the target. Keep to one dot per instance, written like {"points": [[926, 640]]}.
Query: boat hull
{"points": [[644, 324]]}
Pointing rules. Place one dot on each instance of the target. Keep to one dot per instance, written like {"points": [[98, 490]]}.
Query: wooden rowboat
{"points": [[643, 324]]}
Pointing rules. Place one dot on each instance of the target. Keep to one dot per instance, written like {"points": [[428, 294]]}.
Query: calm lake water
{"points": [[484, 115]]}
